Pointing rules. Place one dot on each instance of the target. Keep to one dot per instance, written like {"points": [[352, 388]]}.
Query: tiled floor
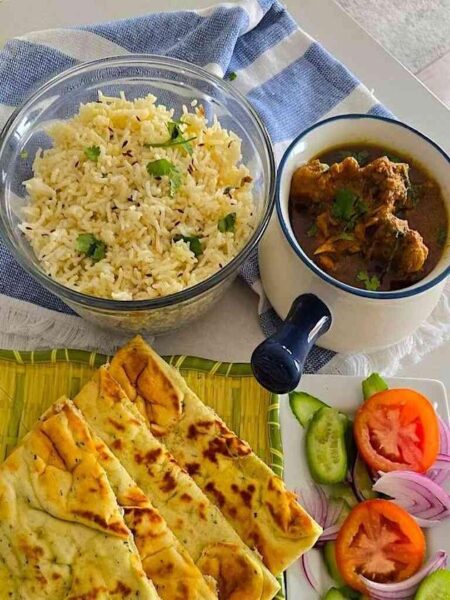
{"points": [[436, 77]]}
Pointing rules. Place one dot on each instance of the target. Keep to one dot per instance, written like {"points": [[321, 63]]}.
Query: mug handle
{"points": [[278, 361]]}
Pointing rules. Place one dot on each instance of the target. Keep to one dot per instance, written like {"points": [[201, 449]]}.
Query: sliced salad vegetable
{"points": [[381, 541], [441, 468], [304, 406], [333, 594], [325, 446], [416, 493], [406, 589], [328, 513], [344, 492], [329, 555], [397, 429], [372, 385], [369, 544], [435, 586], [361, 481], [343, 592]]}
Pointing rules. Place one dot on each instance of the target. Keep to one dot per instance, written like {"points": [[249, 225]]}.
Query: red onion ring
{"points": [[406, 589], [440, 471], [416, 493], [442, 462], [330, 533], [305, 567], [353, 479], [323, 511]]}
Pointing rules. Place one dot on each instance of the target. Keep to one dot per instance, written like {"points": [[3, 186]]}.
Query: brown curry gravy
{"points": [[429, 217]]}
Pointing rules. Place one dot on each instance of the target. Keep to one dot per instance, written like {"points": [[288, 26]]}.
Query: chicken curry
{"points": [[368, 217]]}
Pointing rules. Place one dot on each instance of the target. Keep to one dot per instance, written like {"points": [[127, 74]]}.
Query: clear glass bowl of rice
{"points": [[134, 188]]}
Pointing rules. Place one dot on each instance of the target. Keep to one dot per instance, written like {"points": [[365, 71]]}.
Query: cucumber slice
{"points": [[373, 384], [435, 586], [362, 480], [350, 440], [329, 556], [352, 594], [333, 594], [342, 491], [304, 406], [326, 451]]}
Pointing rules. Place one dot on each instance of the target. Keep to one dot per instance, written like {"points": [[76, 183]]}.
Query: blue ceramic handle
{"points": [[278, 362]]}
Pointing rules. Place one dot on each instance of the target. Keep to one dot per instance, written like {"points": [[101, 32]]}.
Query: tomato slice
{"points": [[381, 541], [397, 429]]}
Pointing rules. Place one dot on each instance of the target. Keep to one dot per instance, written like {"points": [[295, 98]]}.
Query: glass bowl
{"points": [[175, 83]]}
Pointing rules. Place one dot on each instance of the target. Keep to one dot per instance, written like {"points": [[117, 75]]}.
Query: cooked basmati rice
{"points": [[114, 198]]}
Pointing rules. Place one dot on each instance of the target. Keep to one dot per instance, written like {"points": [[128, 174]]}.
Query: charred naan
{"points": [[200, 527], [62, 533], [164, 559], [254, 500]]}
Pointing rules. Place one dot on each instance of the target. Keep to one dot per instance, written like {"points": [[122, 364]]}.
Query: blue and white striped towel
{"points": [[288, 77]]}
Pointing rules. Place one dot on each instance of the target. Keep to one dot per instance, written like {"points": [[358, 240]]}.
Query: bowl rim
{"points": [[383, 295], [68, 294]]}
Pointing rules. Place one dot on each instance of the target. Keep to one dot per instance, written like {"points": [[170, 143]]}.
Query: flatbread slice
{"points": [[164, 559], [254, 500], [200, 527], [62, 533]]}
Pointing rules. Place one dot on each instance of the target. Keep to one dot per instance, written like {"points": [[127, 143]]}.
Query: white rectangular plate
{"points": [[344, 393]]}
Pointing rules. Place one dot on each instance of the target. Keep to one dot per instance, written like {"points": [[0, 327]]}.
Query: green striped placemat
{"points": [[31, 381]]}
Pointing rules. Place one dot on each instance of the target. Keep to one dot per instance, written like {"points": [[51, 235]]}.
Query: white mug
{"points": [[356, 320]]}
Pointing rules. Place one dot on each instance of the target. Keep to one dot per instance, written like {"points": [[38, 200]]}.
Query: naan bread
{"points": [[62, 533], [200, 527], [254, 500], [164, 559]]}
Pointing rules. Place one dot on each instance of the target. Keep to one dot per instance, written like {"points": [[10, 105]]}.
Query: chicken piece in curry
{"points": [[369, 218]]}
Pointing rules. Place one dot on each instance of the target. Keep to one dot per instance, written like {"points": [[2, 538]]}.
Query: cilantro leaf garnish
{"points": [[361, 156], [164, 168], [349, 237], [227, 223], [413, 193], [441, 237], [88, 244], [232, 76], [371, 283], [393, 158], [343, 154], [193, 242], [160, 168], [343, 205], [176, 138], [348, 207], [92, 153], [312, 231]]}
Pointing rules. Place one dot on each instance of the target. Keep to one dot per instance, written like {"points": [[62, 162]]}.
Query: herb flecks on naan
{"points": [[197, 523], [56, 542], [254, 500], [164, 559]]}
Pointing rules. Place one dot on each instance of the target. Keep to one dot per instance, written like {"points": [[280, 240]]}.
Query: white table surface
{"points": [[231, 330]]}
